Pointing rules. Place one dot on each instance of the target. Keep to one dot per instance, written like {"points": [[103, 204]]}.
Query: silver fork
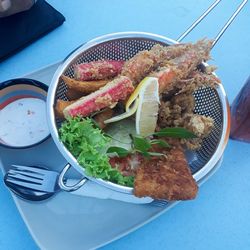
{"points": [[35, 178], [37, 183], [32, 183]]}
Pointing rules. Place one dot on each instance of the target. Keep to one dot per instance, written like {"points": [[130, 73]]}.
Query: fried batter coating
{"points": [[98, 70], [60, 106], [200, 125], [196, 80], [140, 65], [173, 111], [178, 112], [180, 67], [176, 109], [85, 87], [73, 94], [168, 179], [107, 96], [99, 118]]}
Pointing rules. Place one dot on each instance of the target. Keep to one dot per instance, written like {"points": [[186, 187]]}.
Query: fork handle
{"points": [[63, 185]]}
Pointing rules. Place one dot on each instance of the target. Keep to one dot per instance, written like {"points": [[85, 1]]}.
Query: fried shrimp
{"points": [[140, 65], [180, 67]]}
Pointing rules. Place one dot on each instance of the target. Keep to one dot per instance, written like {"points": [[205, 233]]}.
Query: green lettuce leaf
{"points": [[88, 144]]}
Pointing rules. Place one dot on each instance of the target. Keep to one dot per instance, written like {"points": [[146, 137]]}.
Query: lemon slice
{"points": [[122, 116], [148, 106], [135, 94]]}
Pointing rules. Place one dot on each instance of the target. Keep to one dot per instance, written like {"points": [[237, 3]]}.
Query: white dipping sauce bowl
{"points": [[23, 119]]}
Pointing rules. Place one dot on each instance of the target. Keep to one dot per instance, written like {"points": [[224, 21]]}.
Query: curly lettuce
{"points": [[88, 145]]}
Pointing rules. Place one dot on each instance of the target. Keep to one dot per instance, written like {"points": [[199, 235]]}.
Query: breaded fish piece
{"points": [[168, 179], [118, 89], [98, 70], [99, 118]]}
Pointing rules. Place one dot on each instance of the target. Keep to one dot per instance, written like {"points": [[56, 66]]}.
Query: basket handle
{"points": [[66, 187], [223, 29]]}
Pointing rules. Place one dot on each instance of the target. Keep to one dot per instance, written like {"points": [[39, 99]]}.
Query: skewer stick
{"points": [[229, 22], [211, 7]]}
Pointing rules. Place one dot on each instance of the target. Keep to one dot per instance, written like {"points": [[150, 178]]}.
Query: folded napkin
{"points": [[21, 29], [92, 189]]}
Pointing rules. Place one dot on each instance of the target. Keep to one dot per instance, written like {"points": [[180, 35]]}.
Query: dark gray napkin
{"points": [[21, 29]]}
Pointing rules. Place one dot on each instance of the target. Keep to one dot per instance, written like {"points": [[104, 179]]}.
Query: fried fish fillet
{"points": [[168, 179]]}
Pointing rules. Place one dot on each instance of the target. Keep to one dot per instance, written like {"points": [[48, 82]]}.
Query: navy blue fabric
{"points": [[19, 30]]}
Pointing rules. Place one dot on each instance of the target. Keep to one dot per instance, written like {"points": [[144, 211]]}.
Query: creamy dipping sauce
{"points": [[23, 122]]}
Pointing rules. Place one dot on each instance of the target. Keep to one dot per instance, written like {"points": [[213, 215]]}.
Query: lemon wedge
{"points": [[148, 106], [135, 94], [125, 115]]}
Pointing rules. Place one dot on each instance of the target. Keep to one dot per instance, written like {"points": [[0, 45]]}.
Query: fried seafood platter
{"points": [[131, 122]]}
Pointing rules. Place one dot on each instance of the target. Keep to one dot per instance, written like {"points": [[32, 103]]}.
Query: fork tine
{"points": [[26, 184], [24, 178], [30, 169], [28, 174]]}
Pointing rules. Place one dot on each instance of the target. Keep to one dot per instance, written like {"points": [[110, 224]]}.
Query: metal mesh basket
{"points": [[122, 46]]}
